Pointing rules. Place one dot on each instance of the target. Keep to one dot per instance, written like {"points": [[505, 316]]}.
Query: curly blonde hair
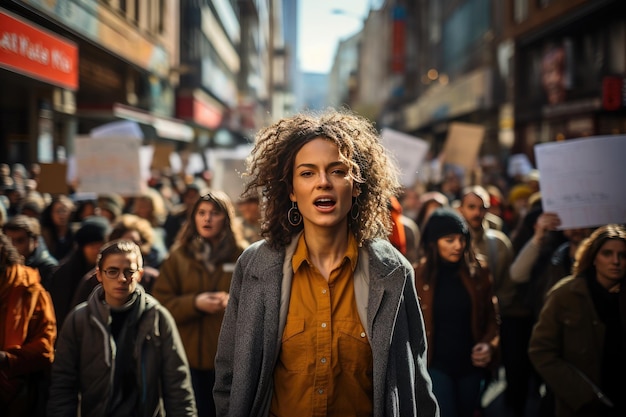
{"points": [[270, 170]]}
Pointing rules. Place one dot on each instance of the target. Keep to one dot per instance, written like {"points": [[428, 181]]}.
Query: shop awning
{"points": [[168, 128], [163, 127]]}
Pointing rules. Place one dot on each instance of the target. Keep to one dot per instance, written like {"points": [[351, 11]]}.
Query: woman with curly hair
{"points": [[578, 345], [193, 285], [323, 316]]}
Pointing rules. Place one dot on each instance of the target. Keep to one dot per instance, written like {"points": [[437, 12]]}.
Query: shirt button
{"points": [[320, 391], [324, 325], [362, 334], [323, 360], [323, 291]]}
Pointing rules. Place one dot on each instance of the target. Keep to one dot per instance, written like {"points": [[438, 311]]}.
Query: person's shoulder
{"points": [[259, 248], [566, 285], [381, 250], [77, 317], [499, 236]]}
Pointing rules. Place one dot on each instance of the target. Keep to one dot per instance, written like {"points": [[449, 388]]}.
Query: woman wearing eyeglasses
{"points": [[119, 354], [194, 282]]}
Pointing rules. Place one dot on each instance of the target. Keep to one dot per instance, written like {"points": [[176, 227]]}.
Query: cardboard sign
{"points": [[52, 179], [582, 180], [462, 145], [161, 156]]}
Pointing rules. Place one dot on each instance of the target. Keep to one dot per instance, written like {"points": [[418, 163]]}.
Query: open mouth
{"points": [[324, 202]]}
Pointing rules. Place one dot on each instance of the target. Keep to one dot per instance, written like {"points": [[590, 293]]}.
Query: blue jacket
{"points": [[249, 341]]}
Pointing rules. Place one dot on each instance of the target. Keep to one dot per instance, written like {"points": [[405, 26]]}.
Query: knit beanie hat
{"points": [[92, 229], [442, 222]]}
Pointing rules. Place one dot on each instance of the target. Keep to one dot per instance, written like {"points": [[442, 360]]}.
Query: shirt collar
{"points": [[301, 254]]}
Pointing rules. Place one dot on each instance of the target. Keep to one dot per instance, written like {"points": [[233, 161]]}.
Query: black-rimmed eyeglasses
{"points": [[114, 273]]}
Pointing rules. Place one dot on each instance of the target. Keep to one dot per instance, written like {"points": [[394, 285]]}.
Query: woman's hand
{"points": [[481, 355], [211, 302]]}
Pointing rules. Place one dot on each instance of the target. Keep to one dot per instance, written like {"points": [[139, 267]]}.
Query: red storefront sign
{"points": [[191, 108], [28, 50], [612, 93], [398, 40]]}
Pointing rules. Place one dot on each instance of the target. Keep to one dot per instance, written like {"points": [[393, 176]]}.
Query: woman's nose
{"points": [[323, 180]]}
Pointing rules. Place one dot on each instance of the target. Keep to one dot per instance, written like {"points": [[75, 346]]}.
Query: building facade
{"points": [[120, 57]]}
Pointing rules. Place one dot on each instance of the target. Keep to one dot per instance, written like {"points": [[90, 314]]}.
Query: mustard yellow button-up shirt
{"points": [[325, 363]]}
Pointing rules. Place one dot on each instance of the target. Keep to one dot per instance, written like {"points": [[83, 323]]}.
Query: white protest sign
{"points": [[109, 166], [582, 180], [120, 128], [228, 166], [408, 153]]}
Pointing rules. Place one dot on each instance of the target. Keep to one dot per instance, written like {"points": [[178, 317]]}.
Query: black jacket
{"points": [[45, 263]]}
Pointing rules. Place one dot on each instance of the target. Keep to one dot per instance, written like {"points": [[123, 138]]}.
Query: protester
{"points": [[177, 217], [25, 234], [323, 317], [120, 353], [578, 344], [137, 230], [459, 314], [496, 248], [536, 239], [194, 282], [56, 228], [90, 237], [430, 202], [151, 207], [110, 206], [405, 234], [250, 217], [27, 335]]}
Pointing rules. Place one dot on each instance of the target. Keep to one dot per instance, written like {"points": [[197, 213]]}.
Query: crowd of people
{"points": [[325, 289]]}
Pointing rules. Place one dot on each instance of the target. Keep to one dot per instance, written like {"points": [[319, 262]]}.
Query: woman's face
{"points": [[321, 185], [610, 263], [60, 214], [210, 221], [451, 247]]}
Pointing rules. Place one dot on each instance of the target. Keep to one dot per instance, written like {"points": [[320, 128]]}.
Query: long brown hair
{"points": [[589, 248], [231, 237]]}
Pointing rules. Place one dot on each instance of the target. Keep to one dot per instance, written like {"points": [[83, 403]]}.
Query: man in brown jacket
{"points": [[27, 335]]}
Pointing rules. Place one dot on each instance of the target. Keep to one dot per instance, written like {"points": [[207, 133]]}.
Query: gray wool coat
{"points": [[251, 332]]}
